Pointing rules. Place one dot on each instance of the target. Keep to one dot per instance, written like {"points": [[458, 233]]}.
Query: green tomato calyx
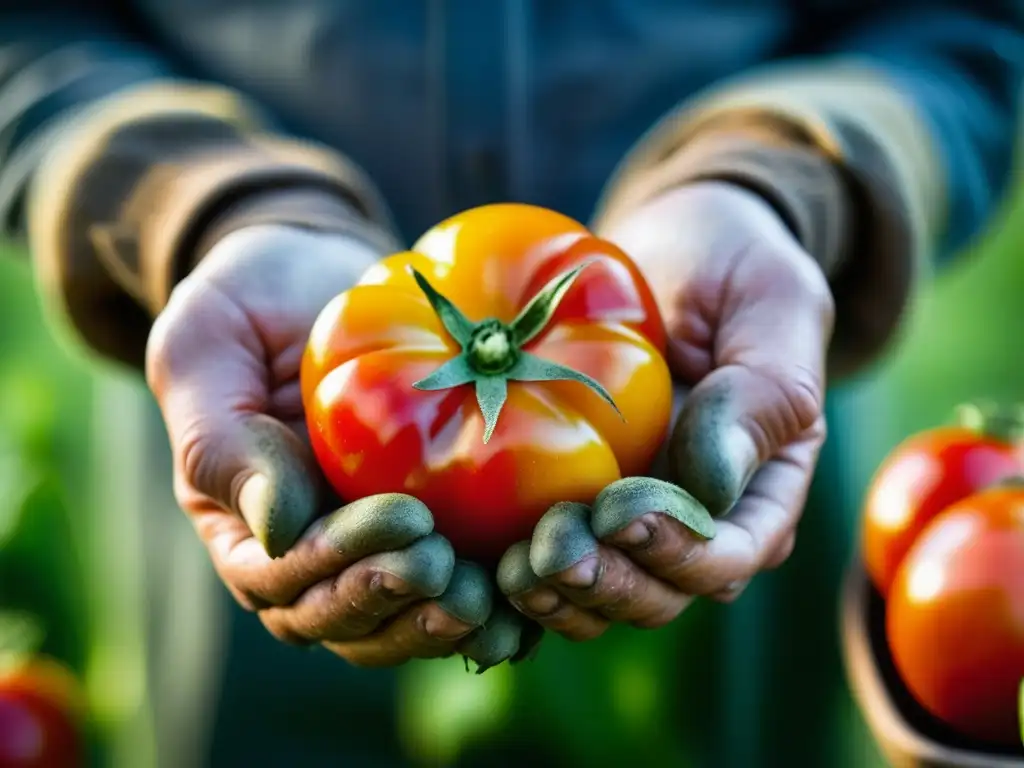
{"points": [[491, 348], [492, 351]]}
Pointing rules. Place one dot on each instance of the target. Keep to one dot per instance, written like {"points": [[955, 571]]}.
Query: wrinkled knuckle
{"points": [[439, 626], [799, 393], [803, 393], [379, 589], [195, 458]]}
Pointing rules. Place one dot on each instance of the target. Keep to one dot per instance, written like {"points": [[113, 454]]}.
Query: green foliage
{"points": [[44, 432]]}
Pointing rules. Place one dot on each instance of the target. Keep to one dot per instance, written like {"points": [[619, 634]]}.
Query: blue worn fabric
{"points": [[454, 103]]}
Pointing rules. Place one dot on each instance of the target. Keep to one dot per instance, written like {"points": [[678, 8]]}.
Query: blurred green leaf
{"points": [[21, 635]]}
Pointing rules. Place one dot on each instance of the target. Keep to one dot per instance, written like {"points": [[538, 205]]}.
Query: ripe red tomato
{"points": [[955, 615], [39, 724], [550, 386], [923, 476]]}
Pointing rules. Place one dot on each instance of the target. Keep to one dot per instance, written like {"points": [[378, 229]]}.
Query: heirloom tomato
{"points": [[955, 615], [927, 473], [40, 703], [509, 361]]}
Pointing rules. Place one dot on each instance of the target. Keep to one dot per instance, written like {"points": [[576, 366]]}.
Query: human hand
{"points": [[749, 316], [370, 581]]}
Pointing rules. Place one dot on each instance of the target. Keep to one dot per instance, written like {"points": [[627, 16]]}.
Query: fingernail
{"points": [[444, 628], [388, 585], [636, 535], [540, 603], [582, 575], [426, 566]]}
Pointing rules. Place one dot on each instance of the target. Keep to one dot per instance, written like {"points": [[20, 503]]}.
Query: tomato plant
{"points": [[927, 473], [39, 703], [509, 361], [955, 615]]}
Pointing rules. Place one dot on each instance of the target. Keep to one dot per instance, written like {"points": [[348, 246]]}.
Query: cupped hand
{"points": [[370, 581], [749, 316]]}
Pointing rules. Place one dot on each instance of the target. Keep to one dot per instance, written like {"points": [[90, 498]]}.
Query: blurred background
{"points": [[70, 545]]}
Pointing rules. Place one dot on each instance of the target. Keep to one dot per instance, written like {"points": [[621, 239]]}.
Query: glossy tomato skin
{"points": [[919, 479], [372, 432], [39, 722], [955, 616]]}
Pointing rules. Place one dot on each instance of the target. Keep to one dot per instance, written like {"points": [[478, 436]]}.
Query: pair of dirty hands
{"points": [[749, 316]]}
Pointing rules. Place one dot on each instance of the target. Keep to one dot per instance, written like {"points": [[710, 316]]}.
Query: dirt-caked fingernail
{"points": [[636, 535], [390, 585], [444, 627], [582, 575], [541, 602]]}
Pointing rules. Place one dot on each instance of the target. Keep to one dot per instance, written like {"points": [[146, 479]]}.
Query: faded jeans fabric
{"points": [[758, 683]]}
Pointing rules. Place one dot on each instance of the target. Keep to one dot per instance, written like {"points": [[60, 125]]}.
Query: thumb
{"points": [[766, 387], [258, 468], [206, 367]]}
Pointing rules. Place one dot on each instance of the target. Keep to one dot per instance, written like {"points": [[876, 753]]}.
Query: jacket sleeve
{"points": [[114, 166], [885, 139], [55, 60]]}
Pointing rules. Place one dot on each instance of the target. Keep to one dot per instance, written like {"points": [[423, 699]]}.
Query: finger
{"points": [[502, 638], [748, 539], [534, 599], [603, 579], [773, 327], [655, 523], [371, 525], [427, 630], [212, 389], [363, 596], [256, 468]]}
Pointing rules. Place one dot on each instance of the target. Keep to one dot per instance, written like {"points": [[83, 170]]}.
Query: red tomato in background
{"points": [[374, 432], [955, 616], [919, 479], [39, 721]]}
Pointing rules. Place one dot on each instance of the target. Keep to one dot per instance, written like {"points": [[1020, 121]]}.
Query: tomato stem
{"points": [[492, 351], [491, 348], [1001, 422]]}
